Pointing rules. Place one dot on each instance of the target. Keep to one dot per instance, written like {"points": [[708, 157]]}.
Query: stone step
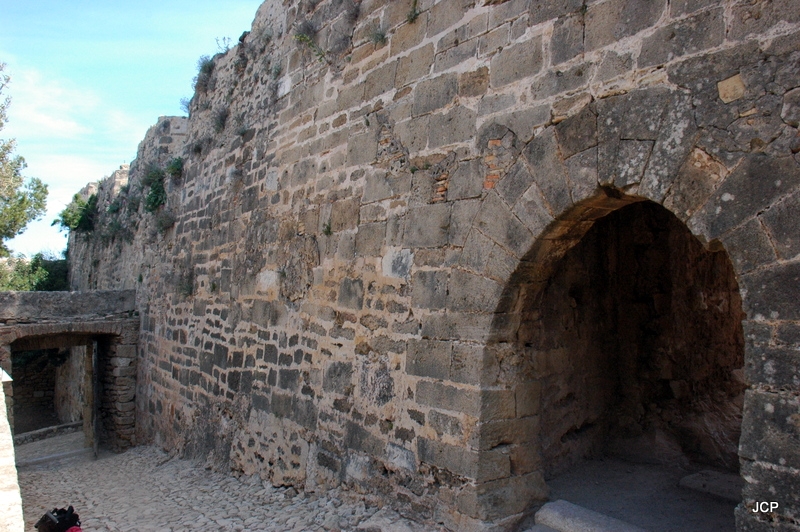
{"points": [[563, 516], [724, 485]]}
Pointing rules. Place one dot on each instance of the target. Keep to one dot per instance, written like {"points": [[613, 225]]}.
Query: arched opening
{"points": [[635, 346]]}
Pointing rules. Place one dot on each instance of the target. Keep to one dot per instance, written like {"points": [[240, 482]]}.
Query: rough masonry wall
{"points": [[334, 288]]}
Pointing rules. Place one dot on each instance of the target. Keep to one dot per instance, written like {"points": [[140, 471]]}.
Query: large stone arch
{"points": [[573, 174]]}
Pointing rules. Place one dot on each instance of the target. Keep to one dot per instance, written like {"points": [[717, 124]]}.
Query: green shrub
{"points": [[174, 168], [205, 70], [164, 220], [79, 215], [220, 117], [157, 195]]}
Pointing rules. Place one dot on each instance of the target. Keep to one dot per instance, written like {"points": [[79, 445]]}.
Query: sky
{"points": [[88, 77]]}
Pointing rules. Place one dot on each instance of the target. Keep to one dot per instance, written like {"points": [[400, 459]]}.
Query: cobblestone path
{"points": [[145, 490]]}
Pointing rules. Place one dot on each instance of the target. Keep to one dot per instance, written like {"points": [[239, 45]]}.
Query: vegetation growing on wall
{"points": [[79, 215]]}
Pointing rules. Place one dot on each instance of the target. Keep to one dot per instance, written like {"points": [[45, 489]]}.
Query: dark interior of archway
{"points": [[637, 344], [34, 388]]}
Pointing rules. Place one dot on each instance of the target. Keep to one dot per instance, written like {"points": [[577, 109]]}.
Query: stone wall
{"points": [[374, 194], [70, 391]]}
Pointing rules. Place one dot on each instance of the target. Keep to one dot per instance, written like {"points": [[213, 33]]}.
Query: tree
{"points": [[21, 200]]}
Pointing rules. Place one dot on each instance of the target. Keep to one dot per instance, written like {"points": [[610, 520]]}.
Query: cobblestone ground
{"points": [[145, 490]]}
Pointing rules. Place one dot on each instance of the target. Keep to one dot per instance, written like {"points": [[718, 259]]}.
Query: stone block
{"points": [[429, 289], [381, 185], [466, 181], [528, 398], [357, 438], [496, 221], [772, 293], [688, 36], [519, 431], [501, 498], [446, 14], [446, 397], [433, 94], [749, 247], [457, 460], [397, 263], [409, 35], [344, 214], [362, 148], [766, 483], [427, 226], [495, 103], [549, 171], [429, 358], [524, 122], [413, 133], [567, 39], [776, 367], [502, 12], [461, 218], [455, 55], [455, 126], [770, 428], [370, 239], [380, 80], [683, 7], [338, 378], [783, 222], [516, 62], [469, 365], [582, 172], [444, 424], [555, 82], [676, 137], [751, 188], [614, 20], [753, 18], [577, 133], [790, 111], [351, 293], [474, 83], [701, 74], [514, 183], [494, 40], [544, 11], [468, 292], [532, 211], [414, 66]]}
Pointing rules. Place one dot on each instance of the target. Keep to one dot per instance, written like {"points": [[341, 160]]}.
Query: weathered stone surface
{"points": [[611, 21], [516, 62], [427, 226], [783, 222], [456, 125], [544, 157], [496, 221], [751, 188], [772, 292], [749, 247], [429, 289], [429, 358], [567, 40], [435, 93], [769, 428], [687, 36]]}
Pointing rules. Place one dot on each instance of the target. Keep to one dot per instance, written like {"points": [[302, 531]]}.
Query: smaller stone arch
{"points": [[102, 322]]}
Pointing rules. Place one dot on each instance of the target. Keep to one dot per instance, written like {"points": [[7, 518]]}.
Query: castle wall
{"points": [[335, 287]]}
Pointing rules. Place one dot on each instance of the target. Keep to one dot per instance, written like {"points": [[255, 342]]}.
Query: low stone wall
{"points": [[36, 307]]}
